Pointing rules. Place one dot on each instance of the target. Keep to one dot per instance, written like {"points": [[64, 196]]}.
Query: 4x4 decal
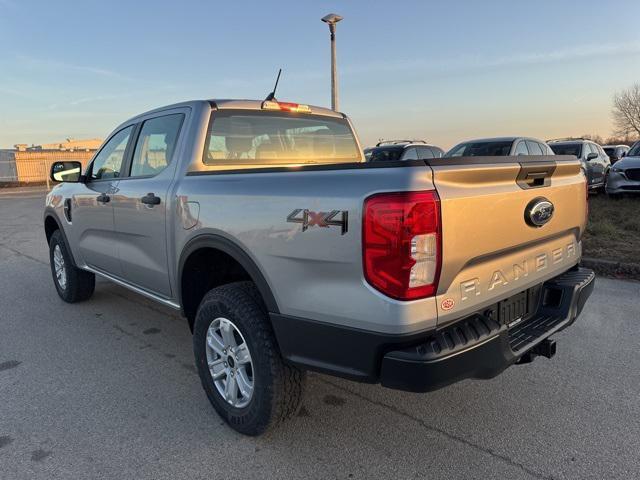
{"points": [[320, 219]]}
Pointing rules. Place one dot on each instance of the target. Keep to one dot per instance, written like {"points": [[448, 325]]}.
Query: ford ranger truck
{"points": [[285, 251]]}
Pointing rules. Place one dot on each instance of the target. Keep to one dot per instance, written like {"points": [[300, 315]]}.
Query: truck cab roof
{"points": [[240, 104]]}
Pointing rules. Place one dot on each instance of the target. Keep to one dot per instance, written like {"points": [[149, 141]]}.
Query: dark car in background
{"points": [[393, 150], [500, 147], [624, 176], [616, 152], [595, 162]]}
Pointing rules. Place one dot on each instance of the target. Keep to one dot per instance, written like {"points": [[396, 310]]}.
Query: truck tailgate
{"points": [[491, 249]]}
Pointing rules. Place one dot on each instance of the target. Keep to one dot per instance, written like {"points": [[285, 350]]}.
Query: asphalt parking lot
{"points": [[107, 389]]}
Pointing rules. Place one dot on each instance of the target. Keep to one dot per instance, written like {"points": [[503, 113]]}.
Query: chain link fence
{"points": [[30, 172], [32, 168]]}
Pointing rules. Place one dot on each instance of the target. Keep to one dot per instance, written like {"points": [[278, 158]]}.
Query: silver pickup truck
{"points": [[285, 251]]}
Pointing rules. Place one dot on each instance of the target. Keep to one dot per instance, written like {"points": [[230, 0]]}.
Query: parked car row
{"points": [[612, 168], [393, 150]]}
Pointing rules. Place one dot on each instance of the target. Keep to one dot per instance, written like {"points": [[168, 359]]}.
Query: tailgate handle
{"points": [[535, 175]]}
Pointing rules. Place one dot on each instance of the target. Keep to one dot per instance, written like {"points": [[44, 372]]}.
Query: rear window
{"points": [[481, 149], [567, 149], [610, 151], [245, 139]]}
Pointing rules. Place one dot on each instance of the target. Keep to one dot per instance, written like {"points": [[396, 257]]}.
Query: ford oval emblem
{"points": [[538, 212]]}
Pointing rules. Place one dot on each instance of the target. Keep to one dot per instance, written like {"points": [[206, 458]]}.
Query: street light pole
{"points": [[331, 20]]}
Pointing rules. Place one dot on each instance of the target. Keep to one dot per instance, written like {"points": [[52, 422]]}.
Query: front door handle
{"points": [[150, 199], [103, 198]]}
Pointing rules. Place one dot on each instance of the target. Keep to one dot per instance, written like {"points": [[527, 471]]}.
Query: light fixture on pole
{"points": [[331, 20]]}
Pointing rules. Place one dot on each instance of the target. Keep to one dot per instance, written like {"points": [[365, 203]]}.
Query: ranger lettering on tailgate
{"points": [[474, 287]]}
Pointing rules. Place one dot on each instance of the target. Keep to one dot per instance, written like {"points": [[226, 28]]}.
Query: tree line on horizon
{"points": [[626, 117]]}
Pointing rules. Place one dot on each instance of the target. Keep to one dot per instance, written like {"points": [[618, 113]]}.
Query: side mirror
{"points": [[624, 154], [66, 171], [591, 156]]}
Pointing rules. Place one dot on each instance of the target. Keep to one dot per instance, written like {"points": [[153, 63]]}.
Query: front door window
{"points": [[108, 163]]}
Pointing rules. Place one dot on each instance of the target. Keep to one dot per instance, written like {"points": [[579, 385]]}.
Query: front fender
{"points": [[50, 215]]}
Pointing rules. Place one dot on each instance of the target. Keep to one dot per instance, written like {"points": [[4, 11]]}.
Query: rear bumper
{"points": [[473, 347], [478, 347]]}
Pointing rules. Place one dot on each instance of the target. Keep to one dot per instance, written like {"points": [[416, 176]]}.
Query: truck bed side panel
{"points": [[316, 273]]}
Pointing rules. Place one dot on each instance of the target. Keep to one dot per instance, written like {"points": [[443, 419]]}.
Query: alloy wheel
{"points": [[59, 267], [229, 362]]}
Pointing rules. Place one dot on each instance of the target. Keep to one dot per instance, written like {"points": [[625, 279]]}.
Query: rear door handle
{"points": [[103, 198], [150, 199]]}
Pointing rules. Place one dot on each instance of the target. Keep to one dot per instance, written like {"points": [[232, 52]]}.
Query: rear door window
{"points": [[521, 149], [410, 154], [545, 149], [534, 148], [437, 152], [425, 153], [156, 145]]}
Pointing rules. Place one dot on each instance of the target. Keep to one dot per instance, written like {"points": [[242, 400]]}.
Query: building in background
{"points": [[70, 144], [26, 164]]}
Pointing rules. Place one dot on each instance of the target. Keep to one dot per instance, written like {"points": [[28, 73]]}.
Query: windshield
{"points": [[385, 154], [567, 149], [481, 149], [611, 151], [240, 138], [635, 150]]}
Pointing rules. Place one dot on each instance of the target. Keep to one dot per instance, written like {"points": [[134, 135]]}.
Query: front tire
{"points": [[72, 284], [239, 362]]}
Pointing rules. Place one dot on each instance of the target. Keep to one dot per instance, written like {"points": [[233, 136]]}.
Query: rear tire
{"points": [[72, 284], [273, 389]]}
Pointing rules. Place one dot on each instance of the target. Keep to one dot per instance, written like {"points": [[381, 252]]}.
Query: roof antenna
{"points": [[272, 95]]}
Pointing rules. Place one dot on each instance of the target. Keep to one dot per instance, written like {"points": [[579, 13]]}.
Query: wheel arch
{"points": [[51, 224], [231, 249]]}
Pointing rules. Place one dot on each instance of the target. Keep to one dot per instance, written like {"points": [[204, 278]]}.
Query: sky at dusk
{"points": [[442, 71]]}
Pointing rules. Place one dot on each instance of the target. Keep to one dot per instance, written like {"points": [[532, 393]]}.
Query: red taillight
{"points": [[285, 106], [402, 243]]}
